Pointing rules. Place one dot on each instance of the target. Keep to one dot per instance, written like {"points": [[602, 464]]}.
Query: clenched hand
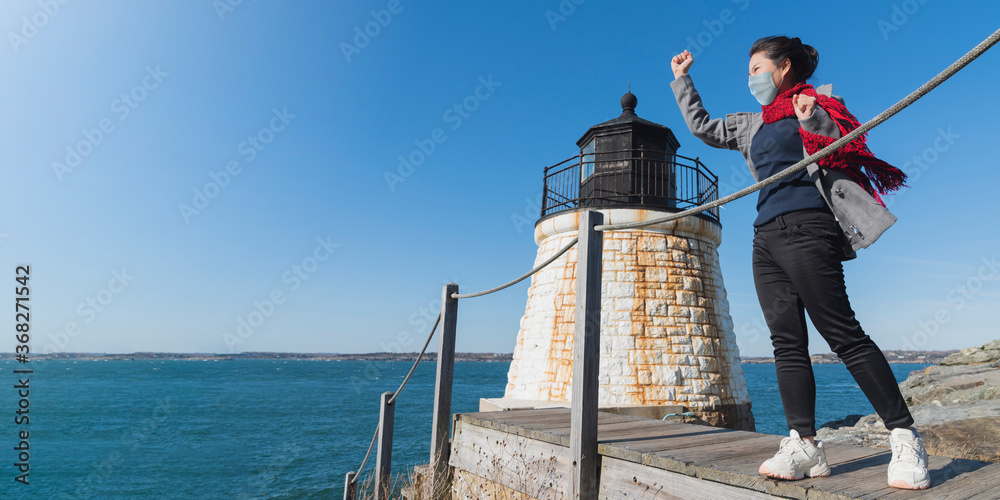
{"points": [[680, 63], [803, 105]]}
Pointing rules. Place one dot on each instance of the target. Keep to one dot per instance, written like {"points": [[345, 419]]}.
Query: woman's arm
{"points": [[714, 132], [814, 119]]}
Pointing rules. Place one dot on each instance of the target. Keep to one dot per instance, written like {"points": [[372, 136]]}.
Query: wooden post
{"points": [[350, 487], [383, 461], [440, 445], [586, 357]]}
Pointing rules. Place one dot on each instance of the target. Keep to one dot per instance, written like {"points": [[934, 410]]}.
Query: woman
{"points": [[800, 242]]}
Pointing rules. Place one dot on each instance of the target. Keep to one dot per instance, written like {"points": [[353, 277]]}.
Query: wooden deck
{"points": [[528, 451]]}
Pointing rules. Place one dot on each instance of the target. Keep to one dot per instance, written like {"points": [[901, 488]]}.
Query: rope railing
{"points": [[839, 143], [520, 278], [406, 379], [419, 356]]}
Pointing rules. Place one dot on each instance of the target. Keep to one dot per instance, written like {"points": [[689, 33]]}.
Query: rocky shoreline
{"points": [[955, 403], [892, 355]]}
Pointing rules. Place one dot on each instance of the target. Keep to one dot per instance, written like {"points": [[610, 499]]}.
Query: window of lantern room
{"points": [[587, 161]]}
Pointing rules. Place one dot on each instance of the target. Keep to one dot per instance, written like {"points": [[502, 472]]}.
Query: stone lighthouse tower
{"points": [[667, 338]]}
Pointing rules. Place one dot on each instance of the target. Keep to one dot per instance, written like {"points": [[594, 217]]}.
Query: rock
{"points": [[952, 384], [867, 430], [955, 406], [985, 353]]}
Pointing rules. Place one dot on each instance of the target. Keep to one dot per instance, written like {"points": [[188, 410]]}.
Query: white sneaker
{"points": [[908, 467], [797, 458]]}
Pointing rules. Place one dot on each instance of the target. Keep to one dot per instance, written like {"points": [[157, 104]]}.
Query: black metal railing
{"points": [[634, 177]]}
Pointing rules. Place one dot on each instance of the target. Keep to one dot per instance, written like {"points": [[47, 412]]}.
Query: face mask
{"points": [[762, 87]]}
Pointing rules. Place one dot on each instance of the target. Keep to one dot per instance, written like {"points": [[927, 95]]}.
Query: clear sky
{"points": [[173, 167]]}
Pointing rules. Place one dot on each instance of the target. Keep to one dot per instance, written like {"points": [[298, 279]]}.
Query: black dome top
{"points": [[628, 103]]}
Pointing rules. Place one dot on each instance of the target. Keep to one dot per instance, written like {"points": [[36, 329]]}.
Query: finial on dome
{"points": [[629, 101]]}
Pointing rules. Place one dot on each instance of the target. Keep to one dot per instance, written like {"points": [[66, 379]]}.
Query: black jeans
{"points": [[796, 268]]}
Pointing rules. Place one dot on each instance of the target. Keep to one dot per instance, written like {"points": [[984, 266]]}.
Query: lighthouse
{"points": [[666, 336]]}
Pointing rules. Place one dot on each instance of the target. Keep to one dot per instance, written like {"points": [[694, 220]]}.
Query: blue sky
{"points": [[174, 170]]}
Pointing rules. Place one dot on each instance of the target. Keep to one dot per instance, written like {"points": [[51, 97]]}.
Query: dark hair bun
{"points": [[813, 54]]}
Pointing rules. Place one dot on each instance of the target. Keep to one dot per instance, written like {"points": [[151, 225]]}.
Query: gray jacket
{"points": [[861, 218]]}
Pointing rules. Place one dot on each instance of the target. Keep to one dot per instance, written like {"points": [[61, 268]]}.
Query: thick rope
{"points": [[521, 278], [885, 115], [415, 363], [396, 394], [363, 462]]}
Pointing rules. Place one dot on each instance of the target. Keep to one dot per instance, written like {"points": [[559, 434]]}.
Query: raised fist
{"points": [[803, 105], [680, 63]]}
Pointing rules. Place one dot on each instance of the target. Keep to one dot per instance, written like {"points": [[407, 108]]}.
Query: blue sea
{"points": [[271, 429]]}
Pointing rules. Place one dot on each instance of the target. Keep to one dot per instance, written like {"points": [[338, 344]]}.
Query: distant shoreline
{"points": [[307, 356], [893, 356]]}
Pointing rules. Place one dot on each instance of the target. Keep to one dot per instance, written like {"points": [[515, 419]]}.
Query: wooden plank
{"points": [[637, 433], [629, 430], [526, 426], [607, 423], [441, 426], [638, 448], [556, 432], [708, 454], [586, 356], [383, 461], [741, 469], [521, 430], [530, 466], [690, 438], [549, 415], [517, 415], [623, 479], [977, 479]]}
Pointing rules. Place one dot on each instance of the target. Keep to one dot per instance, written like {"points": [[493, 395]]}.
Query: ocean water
{"points": [[271, 429]]}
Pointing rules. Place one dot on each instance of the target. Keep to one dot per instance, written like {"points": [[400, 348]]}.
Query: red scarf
{"points": [[877, 176]]}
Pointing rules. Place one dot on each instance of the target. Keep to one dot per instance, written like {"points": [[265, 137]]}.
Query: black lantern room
{"points": [[626, 158], [628, 162]]}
